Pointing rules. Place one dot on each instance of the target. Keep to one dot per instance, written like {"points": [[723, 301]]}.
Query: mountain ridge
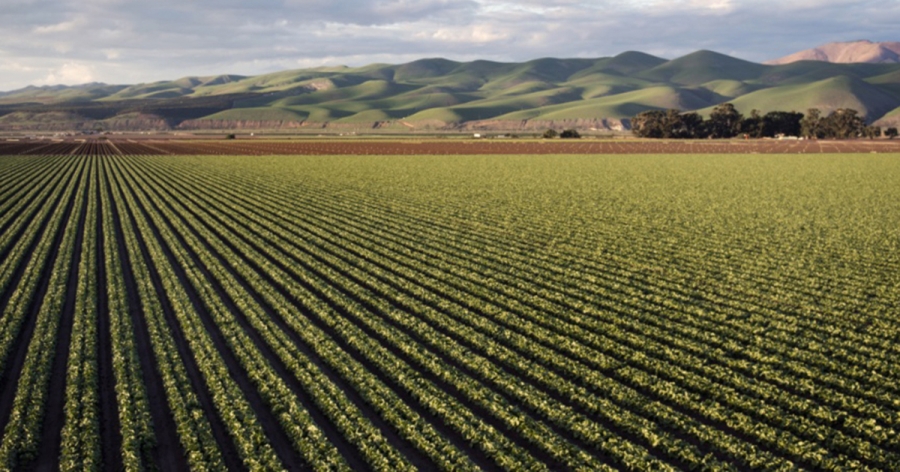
{"points": [[847, 52], [438, 93]]}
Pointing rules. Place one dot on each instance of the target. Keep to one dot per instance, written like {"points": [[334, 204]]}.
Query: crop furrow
{"points": [[374, 243], [186, 396], [22, 436], [262, 377]]}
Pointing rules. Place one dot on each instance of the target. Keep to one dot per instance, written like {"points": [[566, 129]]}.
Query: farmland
{"points": [[445, 147], [390, 306]]}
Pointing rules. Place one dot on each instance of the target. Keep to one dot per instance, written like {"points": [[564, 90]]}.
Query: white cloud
{"points": [[714, 5], [470, 34], [15, 67], [70, 73], [118, 41], [62, 27]]}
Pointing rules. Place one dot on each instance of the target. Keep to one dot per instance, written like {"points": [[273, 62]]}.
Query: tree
{"points": [[569, 134], [787, 123], [843, 123], [550, 134], [752, 126], [811, 124], [725, 121], [891, 132], [669, 124], [692, 126], [872, 132], [649, 124]]}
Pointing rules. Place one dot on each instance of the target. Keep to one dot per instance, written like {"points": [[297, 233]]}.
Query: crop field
{"points": [[118, 146], [431, 312]]}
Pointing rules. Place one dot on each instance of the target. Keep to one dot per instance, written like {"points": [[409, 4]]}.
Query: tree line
{"points": [[726, 121]]}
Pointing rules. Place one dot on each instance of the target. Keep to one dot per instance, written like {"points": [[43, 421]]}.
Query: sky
{"points": [[49, 42]]}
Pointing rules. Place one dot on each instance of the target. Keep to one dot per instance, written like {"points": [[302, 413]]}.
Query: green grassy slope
{"points": [[701, 67], [827, 95], [729, 88], [890, 119], [59, 93], [623, 105], [260, 114], [449, 91], [895, 113]]}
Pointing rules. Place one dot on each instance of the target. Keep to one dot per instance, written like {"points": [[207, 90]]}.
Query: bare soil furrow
{"points": [[114, 146], [276, 435], [15, 362], [414, 455], [168, 453], [52, 200], [110, 432], [226, 445], [54, 416]]}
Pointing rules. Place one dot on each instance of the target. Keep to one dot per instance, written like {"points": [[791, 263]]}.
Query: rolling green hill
{"points": [[891, 118], [828, 94], [701, 67], [448, 93]]}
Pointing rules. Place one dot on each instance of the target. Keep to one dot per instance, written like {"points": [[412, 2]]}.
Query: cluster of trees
{"points": [[726, 122], [566, 134]]}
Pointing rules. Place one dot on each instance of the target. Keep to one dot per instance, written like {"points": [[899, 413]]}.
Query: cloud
{"points": [[15, 67], [475, 34], [69, 73], [118, 41], [61, 27]]}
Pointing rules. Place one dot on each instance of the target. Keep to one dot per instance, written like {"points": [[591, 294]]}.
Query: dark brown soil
{"points": [[440, 147], [110, 427], [226, 445], [55, 416], [168, 453], [16, 360]]}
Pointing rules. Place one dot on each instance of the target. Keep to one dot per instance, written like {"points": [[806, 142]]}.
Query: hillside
{"points": [[847, 52], [438, 93]]}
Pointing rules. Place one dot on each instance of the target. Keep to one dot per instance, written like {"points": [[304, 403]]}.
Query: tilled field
{"points": [[421, 312], [94, 147]]}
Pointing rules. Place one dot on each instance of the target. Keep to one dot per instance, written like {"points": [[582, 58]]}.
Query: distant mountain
{"points": [[847, 53], [443, 94], [58, 93]]}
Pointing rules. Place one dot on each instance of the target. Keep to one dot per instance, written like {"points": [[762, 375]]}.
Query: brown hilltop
{"points": [[847, 52]]}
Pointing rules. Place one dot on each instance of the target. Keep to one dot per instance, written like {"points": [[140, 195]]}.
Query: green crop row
{"points": [[194, 430], [779, 420], [21, 435], [135, 424], [81, 430], [450, 313]]}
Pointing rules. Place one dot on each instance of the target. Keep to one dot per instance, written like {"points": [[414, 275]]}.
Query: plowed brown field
{"points": [[434, 147]]}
